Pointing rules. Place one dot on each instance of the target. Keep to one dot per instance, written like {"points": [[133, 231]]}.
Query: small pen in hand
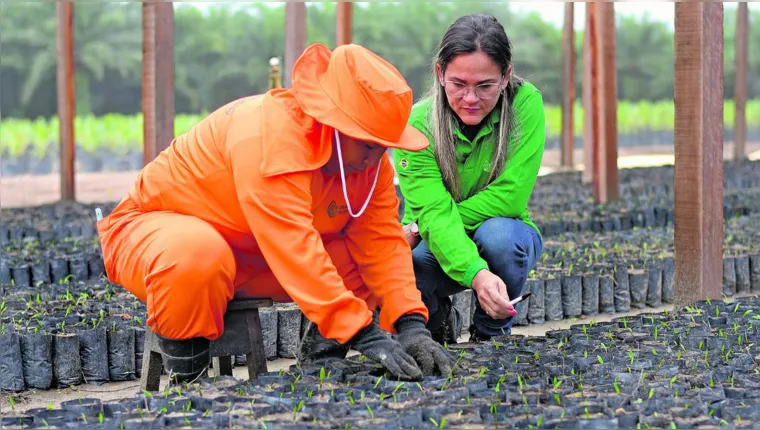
{"points": [[519, 299]]}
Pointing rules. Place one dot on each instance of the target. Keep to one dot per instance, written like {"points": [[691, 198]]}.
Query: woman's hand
{"points": [[412, 237], [492, 295]]}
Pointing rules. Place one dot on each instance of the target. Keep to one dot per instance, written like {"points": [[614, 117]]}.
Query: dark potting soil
{"points": [[590, 294], [638, 281], [121, 354], [553, 299], [537, 308], [67, 368], [754, 272], [94, 331], [668, 285], [607, 294], [729, 276], [37, 359], [639, 371], [654, 285], [622, 288], [741, 267], [522, 310], [11, 374], [93, 350], [572, 295], [585, 269]]}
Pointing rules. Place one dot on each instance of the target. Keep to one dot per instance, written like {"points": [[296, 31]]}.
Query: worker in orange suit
{"points": [[287, 195]]}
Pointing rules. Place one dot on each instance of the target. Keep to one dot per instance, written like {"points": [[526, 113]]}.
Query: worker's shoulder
{"points": [[235, 114], [420, 113], [243, 104], [241, 116], [528, 93]]}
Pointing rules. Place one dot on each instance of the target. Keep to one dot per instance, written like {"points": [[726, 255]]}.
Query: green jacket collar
{"points": [[493, 118]]}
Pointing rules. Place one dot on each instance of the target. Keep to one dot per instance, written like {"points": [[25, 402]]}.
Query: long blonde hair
{"points": [[468, 34]]}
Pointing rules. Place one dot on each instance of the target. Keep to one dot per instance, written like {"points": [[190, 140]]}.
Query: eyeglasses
{"points": [[482, 91]]}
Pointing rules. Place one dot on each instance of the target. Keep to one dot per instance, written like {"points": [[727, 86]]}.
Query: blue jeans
{"points": [[509, 246]]}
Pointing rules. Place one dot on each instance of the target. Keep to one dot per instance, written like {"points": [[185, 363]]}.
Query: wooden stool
{"points": [[242, 335]]}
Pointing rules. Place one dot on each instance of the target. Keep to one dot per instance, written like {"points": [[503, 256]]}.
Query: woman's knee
{"points": [[431, 280], [510, 247], [506, 238]]}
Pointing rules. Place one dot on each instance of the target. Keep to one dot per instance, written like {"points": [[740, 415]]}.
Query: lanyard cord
{"points": [[343, 180]]}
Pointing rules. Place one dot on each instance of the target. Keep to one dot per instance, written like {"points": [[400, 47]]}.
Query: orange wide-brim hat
{"points": [[358, 93]]}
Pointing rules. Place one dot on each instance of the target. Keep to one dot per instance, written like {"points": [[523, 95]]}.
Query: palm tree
{"points": [[106, 35]]}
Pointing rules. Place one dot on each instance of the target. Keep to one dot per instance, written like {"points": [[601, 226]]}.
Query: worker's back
{"points": [[203, 170], [192, 176]]}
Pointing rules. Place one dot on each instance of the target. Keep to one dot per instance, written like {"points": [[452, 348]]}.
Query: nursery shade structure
{"points": [[698, 151], [343, 23], [295, 32], [157, 84], [295, 36], [66, 104], [568, 99], [600, 102], [740, 85], [158, 77]]}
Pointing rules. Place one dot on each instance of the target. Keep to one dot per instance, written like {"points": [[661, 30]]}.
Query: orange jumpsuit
{"points": [[238, 206]]}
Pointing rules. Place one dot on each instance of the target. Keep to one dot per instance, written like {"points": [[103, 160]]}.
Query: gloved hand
{"points": [[378, 346], [417, 341]]}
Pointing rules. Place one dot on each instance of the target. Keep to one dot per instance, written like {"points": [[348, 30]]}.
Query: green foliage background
{"points": [[223, 53]]}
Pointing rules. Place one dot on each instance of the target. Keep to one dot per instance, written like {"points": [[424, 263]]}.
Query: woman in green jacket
{"points": [[466, 196]]}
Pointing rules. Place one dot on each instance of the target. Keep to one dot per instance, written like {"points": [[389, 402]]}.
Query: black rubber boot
{"points": [[184, 360], [315, 349], [446, 324]]}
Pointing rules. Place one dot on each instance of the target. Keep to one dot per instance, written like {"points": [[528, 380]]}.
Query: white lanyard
{"points": [[343, 180]]}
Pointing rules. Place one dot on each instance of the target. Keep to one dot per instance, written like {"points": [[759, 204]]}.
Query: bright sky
{"points": [[553, 11]]}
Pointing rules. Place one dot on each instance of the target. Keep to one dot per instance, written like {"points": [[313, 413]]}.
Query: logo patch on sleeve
{"points": [[403, 163]]}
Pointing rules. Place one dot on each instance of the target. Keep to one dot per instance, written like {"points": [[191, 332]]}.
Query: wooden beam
{"points": [[343, 23], [606, 186], [158, 77], [590, 131], [740, 81], [149, 80], [698, 151], [66, 95], [295, 37], [568, 61], [164, 74]]}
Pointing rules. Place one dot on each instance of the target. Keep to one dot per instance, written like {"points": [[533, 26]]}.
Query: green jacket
{"points": [[446, 226]]}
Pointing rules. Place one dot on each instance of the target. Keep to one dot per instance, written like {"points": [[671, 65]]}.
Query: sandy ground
{"points": [[30, 190]]}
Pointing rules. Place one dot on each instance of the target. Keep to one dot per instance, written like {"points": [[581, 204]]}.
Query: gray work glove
{"points": [[417, 342], [378, 346]]}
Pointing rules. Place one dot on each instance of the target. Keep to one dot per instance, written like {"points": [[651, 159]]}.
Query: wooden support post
{"points": [[158, 77], [590, 130], [149, 80], [343, 23], [740, 81], [568, 61], [164, 74], [698, 151], [295, 37], [66, 96], [606, 187]]}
